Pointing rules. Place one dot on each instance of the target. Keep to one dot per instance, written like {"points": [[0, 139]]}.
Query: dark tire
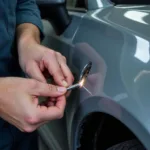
{"points": [[128, 145]]}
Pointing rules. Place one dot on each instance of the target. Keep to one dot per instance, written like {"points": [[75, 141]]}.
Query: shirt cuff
{"points": [[23, 18]]}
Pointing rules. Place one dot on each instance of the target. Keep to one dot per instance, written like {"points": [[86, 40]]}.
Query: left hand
{"points": [[35, 58]]}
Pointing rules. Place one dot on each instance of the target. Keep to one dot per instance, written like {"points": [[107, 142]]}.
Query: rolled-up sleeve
{"points": [[28, 12]]}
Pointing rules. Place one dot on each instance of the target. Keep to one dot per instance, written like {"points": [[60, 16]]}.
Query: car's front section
{"points": [[116, 39], [113, 105]]}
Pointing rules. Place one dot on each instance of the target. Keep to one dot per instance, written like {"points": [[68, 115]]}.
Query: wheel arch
{"points": [[109, 107]]}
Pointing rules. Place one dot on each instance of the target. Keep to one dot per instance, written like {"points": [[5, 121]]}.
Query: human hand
{"points": [[19, 102], [35, 58]]}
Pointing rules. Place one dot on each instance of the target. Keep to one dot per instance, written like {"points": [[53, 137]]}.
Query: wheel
{"points": [[128, 145]]}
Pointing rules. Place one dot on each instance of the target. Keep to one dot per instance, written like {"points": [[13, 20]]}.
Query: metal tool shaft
{"points": [[73, 87]]}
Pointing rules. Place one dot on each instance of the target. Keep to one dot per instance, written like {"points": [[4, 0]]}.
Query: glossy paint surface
{"points": [[96, 4], [116, 41]]}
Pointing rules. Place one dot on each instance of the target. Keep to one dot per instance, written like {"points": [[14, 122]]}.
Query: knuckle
{"points": [[60, 115], [51, 87], [64, 58], [28, 129], [53, 53], [31, 120], [61, 56], [57, 53]]}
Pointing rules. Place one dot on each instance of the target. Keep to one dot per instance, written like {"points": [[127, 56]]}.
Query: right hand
{"points": [[19, 102]]}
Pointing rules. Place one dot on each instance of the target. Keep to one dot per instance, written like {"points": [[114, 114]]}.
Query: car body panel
{"points": [[116, 40], [96, 4]]}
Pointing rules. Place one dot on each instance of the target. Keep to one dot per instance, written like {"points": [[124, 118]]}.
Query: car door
{"points": [[111, 38]]}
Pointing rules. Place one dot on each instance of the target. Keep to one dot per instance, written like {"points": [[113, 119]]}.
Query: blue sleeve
{"points": [[28, 12]]}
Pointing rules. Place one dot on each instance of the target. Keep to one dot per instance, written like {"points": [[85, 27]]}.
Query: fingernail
{"points": [[65, 83], [61, 89]]}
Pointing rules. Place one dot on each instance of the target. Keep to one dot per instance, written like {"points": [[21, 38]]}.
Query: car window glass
{"points": [[76, 3]]}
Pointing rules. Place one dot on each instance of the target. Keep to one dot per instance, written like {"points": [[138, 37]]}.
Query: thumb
{"points": [[48, 90], [54, 112]]}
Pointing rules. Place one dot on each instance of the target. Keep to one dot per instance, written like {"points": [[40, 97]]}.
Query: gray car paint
{"points": [[116, 40], [123, 43], [96, 4]]}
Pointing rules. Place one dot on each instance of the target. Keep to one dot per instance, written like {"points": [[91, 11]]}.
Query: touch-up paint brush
{"points": [[77, 85], [83, 77]]}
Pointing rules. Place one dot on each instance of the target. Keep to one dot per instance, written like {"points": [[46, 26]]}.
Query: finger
{"points": [[49, 104], [67, 73], [35, 100], [65, 69], [44, 89], [54, 69], [34, 72], [52, 99], [41, 66], [53, 112], [67, 94]]}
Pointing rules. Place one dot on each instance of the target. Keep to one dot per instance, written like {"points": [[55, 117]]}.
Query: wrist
{"points": [[27, 34], [25, 41]]}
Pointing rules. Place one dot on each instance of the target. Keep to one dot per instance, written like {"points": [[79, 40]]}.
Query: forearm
{"points": [[27, 33]]}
